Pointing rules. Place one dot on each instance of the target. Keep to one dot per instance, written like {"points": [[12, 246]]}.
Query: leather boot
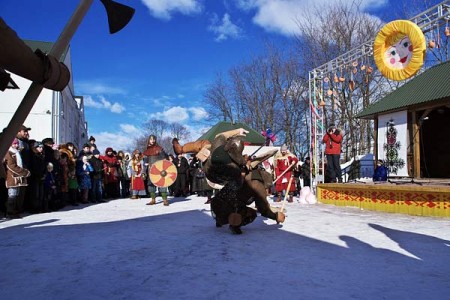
{"points": [[166, 202], [195, 147], [177, 147], [152, 202], [191, 147]]}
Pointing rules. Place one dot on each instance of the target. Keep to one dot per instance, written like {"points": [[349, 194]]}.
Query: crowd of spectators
{"points": [[41, 176]]}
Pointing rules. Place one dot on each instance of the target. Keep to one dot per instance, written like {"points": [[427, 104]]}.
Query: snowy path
{"points": [[124, 249]]}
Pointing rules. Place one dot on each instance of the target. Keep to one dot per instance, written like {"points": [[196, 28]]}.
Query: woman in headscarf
{"points": [[136, 171]]}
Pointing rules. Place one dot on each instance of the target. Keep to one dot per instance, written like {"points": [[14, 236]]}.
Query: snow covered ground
{"points": [[124, 249]]}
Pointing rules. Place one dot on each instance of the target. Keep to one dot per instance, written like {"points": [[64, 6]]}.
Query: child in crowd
{"points": [[84, 169], [50, 188]]}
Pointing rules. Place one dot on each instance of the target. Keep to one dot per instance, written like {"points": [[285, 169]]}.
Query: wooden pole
{"points": [[287, 193], [35, 88], [284, 172]]}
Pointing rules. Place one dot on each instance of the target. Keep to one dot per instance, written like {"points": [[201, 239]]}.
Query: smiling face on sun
{"points": [[399, 54]]}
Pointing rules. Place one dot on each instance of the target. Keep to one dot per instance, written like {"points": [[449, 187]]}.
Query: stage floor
{"points": [[424, 197]]}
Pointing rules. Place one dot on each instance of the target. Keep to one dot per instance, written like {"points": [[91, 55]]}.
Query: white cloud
{"points": [[103, 104], [283, 16], [180, 114], [129, 129], [87, 88], [117, 140], [165, 100], [225, 28], [198, 113], [173, 114], [163, 9]]}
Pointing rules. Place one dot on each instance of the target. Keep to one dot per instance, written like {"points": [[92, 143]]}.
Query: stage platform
{"points": [[414, 197]]}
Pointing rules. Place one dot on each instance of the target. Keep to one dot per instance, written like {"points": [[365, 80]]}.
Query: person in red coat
{"points": [[137, 175], [332, 140], [284, 161], [111, 164]]}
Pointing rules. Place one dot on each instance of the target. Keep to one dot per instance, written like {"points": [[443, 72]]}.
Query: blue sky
{"points": [[161, 63]]}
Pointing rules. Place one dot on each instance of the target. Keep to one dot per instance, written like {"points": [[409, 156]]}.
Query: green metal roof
{"points": [[44, 46], [431, 85], [253, 137]]}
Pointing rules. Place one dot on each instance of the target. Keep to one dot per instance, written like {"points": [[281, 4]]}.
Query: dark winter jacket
{"points": [[380, 173], [97, 165]]}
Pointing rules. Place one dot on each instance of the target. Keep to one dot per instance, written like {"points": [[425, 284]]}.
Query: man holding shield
{"points": [[152, 154]]}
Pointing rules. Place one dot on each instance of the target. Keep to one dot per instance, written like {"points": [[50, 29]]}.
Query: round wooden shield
{"points": [[163, 173]]}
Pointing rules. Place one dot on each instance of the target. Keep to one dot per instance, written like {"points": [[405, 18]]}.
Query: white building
{"points": [[57, 115]]}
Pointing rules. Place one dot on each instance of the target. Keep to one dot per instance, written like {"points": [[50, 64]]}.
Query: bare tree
{"points": [[179, 131], [218, 100], [156, 127], [152, 127], [266, 92], [330, 32]]}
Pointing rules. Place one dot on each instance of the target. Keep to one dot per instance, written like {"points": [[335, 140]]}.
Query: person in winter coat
{"points": [[199, 183], [16, 177], [36, 180], [306, 172], [284, 163], [136, 171], [50, 189], [152, 154], [124, 160], [111, 165], [332, 140], [84, 170], [96, 177], [381, 172], [181, 184]]}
